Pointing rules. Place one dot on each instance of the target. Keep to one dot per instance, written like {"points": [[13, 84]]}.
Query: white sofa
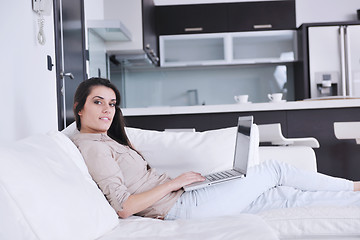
{"points": [[47, 193]]}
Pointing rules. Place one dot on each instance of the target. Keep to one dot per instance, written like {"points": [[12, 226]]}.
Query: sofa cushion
{"points": [[315, 222], [242, 226], [54, 194], [13, 224], [178, 152]]}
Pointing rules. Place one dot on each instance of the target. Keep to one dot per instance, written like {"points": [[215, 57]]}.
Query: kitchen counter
{"points": [[246, 107]]}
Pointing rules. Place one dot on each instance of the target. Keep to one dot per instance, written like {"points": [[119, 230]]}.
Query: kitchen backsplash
{"points": [[153, 87]]}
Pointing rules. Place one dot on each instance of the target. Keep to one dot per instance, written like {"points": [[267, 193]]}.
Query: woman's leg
{"points": [[286, 197], [287, 175], [234, 196]]}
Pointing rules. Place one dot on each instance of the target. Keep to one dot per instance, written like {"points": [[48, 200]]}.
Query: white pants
{"points": [[269, 185]]}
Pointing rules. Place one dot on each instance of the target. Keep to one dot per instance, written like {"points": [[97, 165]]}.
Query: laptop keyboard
{"points": [[219, 175]]}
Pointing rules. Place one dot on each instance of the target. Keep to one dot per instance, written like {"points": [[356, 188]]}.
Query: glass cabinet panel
{"points": [[264, 47], [200, 49], [228, 48]]}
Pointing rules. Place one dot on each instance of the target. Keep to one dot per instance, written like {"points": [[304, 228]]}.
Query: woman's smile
{"points": [[105, 118]]}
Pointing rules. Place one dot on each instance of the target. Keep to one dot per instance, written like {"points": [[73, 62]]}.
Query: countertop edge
{"points": [[247, 107]]}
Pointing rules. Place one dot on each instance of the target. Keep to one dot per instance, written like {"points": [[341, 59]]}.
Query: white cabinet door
{"points": [[264, 47], [192, 49], [353, 57], [325, 52]]}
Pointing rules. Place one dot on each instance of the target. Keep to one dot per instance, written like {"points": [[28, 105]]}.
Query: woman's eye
{"points": [[97, 102], [112, 104]]}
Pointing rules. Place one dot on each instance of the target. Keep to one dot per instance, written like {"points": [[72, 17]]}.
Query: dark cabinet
{"points": [[150, 39], [266, 15], [190, 19], [205, 121], [225, 17]]}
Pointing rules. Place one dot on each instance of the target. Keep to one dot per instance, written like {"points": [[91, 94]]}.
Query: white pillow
{"points": [[178, 152], [74, 154], [55, 197], [70, 130], [315, 222]]}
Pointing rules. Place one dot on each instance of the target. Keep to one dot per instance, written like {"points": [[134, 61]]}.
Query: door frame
{"points": [[63, 120]]}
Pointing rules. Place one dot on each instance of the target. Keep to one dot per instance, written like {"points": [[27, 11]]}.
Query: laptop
{"points": [[242, 155]]}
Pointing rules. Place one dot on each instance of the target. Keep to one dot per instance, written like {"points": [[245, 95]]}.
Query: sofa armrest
{"points": [[299, 156]]}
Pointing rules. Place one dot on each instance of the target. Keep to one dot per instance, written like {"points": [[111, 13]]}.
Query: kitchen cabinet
{"points": [[265, 15], [339, 158], [264, 46], [187, 19], [225, 17], [194, 49], [228, 48], [180, 27]]}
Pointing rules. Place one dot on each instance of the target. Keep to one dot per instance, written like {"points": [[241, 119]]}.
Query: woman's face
{"points": [[98, 111]]}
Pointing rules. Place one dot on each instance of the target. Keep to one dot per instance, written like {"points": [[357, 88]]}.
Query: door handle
{"points": [[348, 70], [342, 60], [262, 26], [63, 75], [194, 29]]}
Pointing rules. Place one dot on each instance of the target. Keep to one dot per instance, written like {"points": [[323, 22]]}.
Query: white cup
{"points": [[241, 98], [275, 97]]}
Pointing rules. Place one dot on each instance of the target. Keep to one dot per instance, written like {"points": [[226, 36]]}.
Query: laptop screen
{"points": [[242, 146]]}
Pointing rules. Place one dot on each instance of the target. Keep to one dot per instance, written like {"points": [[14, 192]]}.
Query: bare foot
{"points": [[356, 186]]}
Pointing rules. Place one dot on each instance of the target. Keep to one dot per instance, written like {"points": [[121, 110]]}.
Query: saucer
{"points": [[277, 101]]}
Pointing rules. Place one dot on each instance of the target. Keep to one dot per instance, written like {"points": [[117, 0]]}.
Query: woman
{"points": [[132, 187]]}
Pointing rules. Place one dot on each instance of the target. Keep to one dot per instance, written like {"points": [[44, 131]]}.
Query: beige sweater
{"points": [[120, 172]]}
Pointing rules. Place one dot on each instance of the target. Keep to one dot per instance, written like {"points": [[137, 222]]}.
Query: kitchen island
{"points": [[309, 118]]}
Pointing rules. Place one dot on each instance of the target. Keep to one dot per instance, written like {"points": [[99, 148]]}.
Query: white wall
{"points": [[308, 11], [94, 10], [28, 89]]}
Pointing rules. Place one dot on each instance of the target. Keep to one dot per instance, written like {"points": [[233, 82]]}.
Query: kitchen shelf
{"points": [[109, 30]]}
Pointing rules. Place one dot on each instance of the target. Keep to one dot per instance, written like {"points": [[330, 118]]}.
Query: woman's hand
{"points": [[138, 202], [186, 179]]}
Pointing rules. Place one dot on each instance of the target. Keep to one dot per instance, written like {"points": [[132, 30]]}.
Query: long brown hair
{"points": [[117, 128]]}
